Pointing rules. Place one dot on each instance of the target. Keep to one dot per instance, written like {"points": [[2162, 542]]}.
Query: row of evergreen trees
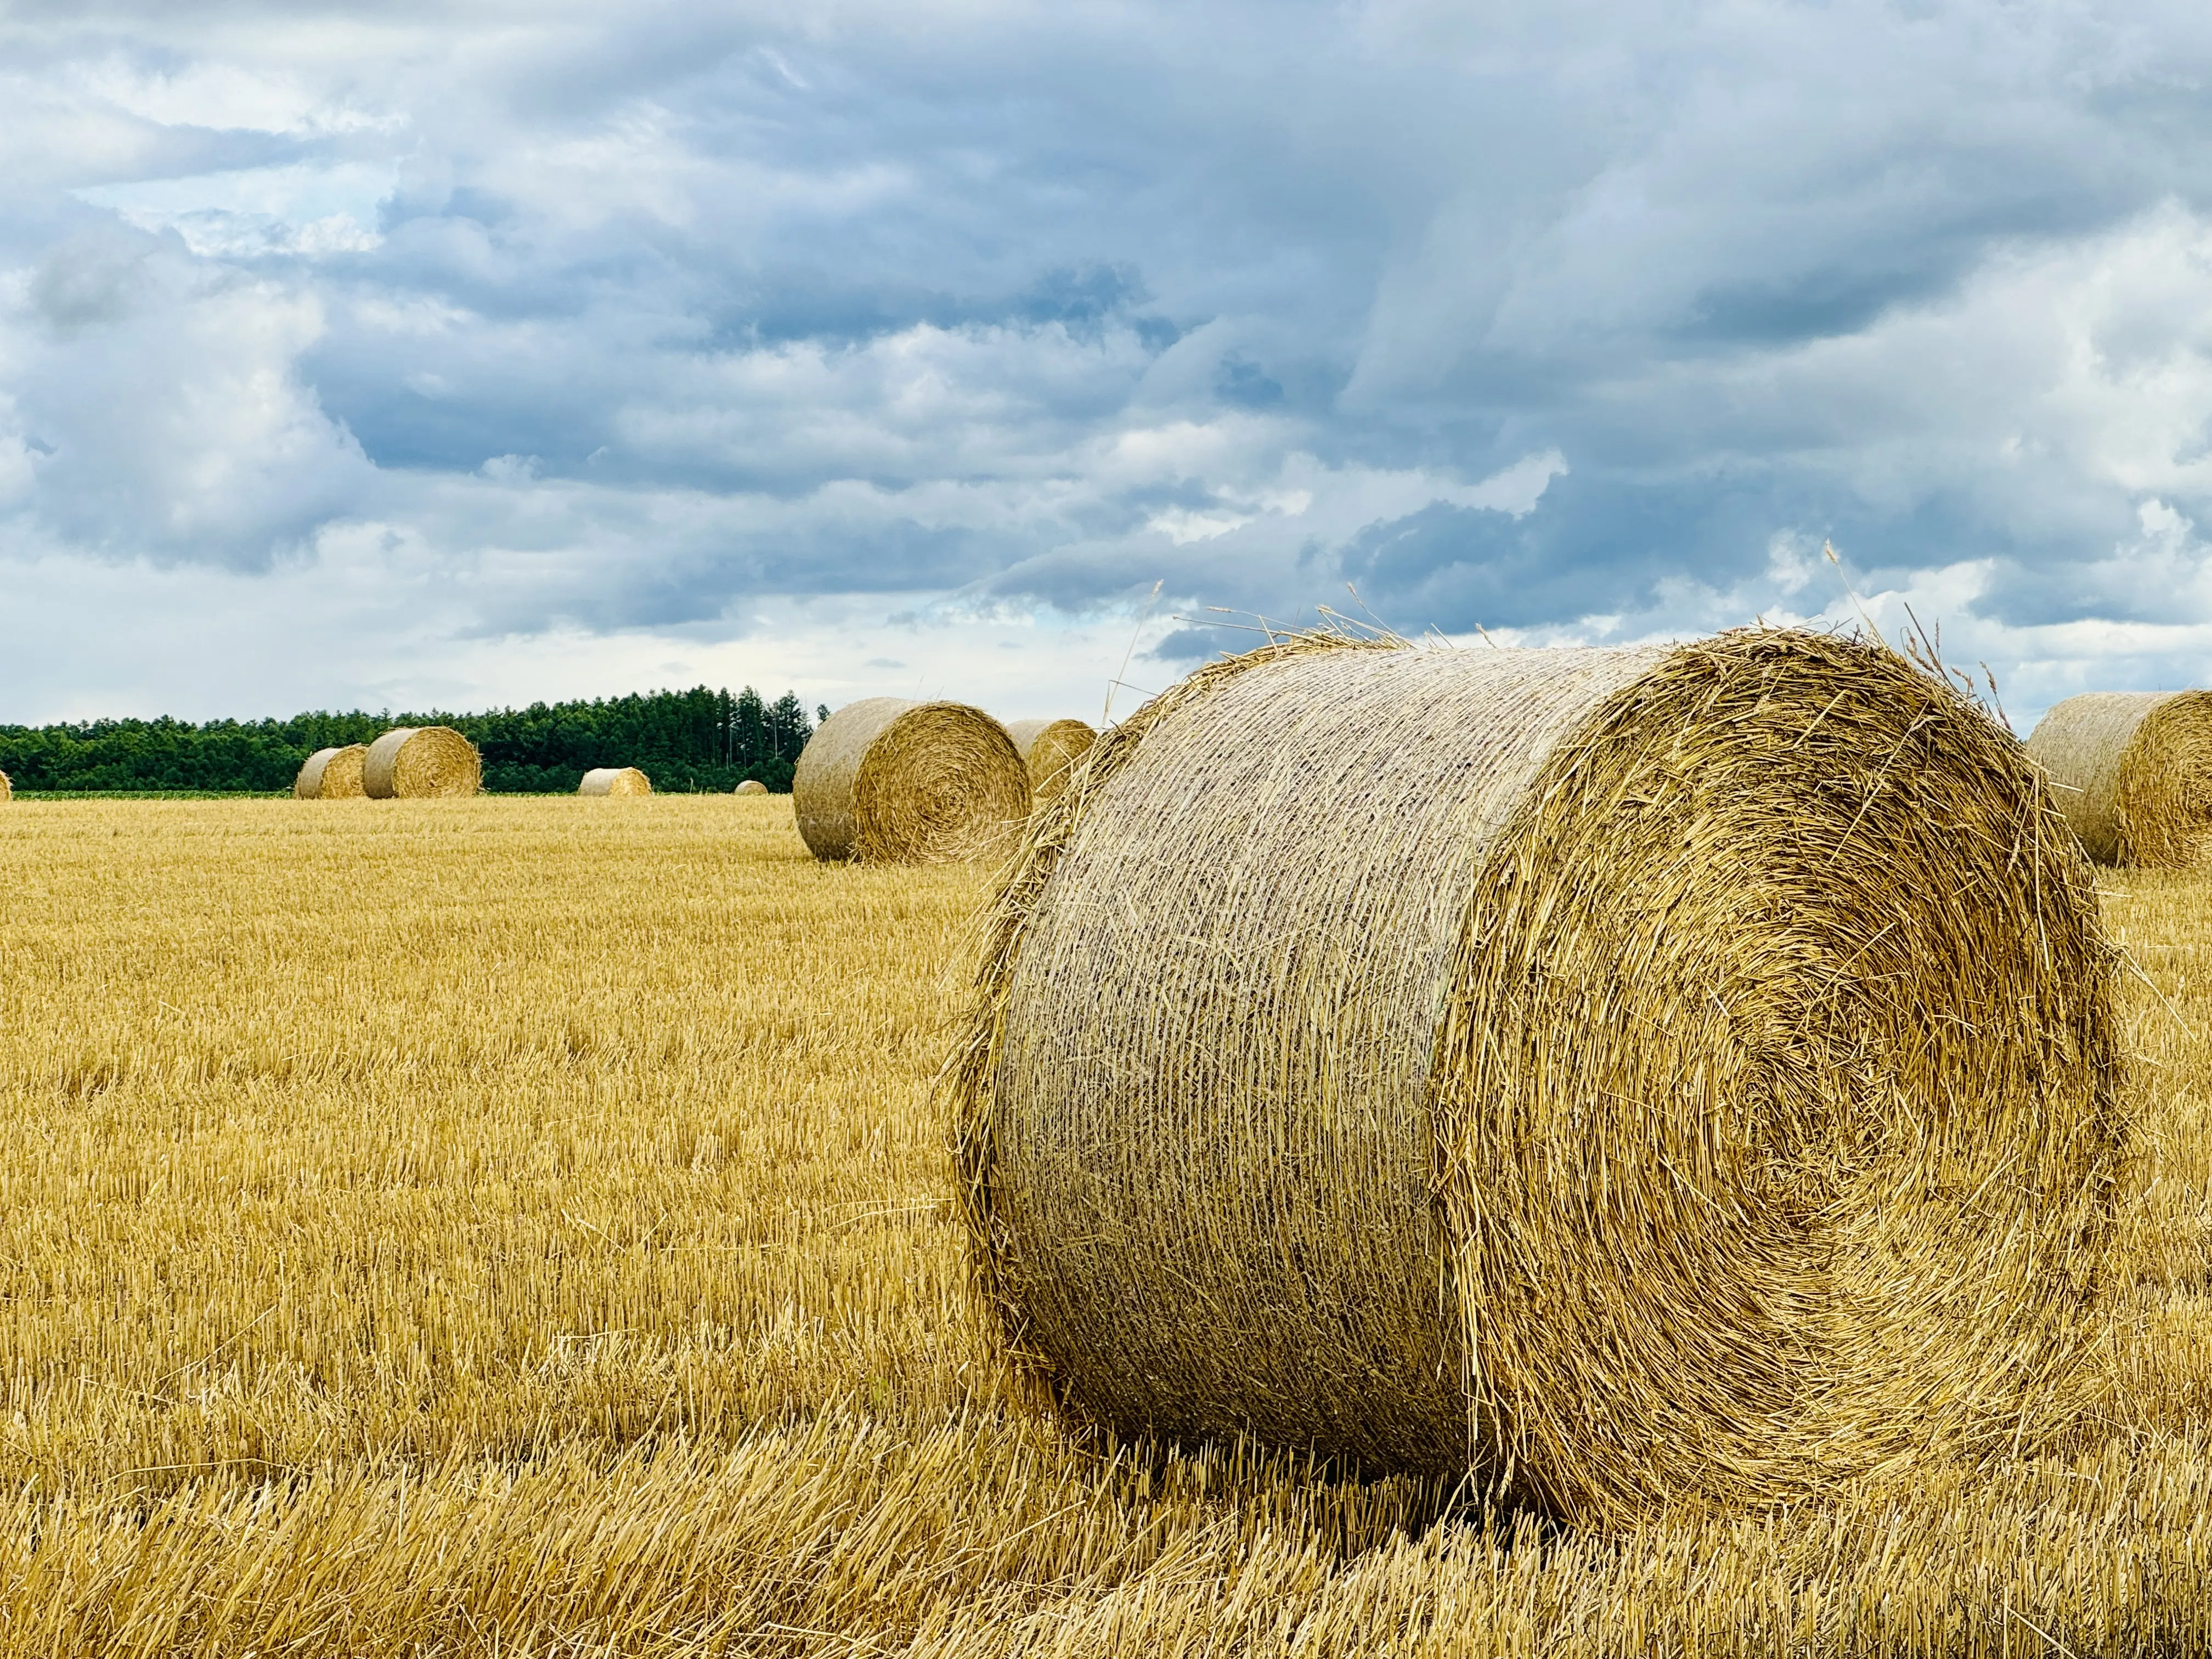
{"points": [[694, 740]]}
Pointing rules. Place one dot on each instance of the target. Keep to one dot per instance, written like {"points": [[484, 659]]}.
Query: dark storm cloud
{"points": [[620, 318]]}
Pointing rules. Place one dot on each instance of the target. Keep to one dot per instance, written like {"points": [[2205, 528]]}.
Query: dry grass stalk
{"points": [[1627, 1077], [332, 774], [421, 761], [2133, 771], [751, 786], [1050, 750], [615, 781], [887, 782]]}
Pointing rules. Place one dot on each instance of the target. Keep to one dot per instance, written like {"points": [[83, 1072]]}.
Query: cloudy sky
{"points": [[402, 355]]}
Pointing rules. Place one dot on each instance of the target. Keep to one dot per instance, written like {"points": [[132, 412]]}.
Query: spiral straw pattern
{"points": [[2133, 774], [887, 782], [418, 760]]}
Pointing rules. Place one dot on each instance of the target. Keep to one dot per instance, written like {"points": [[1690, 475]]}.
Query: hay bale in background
{"points": [[751, 786], [7, 789], [332, 774], [615, 781], [889, 781], [1050, 749], [1627, 1077], [415, 761], [2133, 773]]}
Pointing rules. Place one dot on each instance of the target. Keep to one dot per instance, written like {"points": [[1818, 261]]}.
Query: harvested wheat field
{"points": [[557, 1256]]}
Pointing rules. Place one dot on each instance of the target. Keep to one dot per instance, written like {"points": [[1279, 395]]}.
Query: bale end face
{"points": [[615, 781], [887, 782], [2133, 774], [332, 774], [1637, 1077], [1050, 750], [413, 763]]}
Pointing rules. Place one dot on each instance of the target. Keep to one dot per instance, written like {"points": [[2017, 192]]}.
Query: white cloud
{"points": [[303, 209], [218, 94], [590, 332], [94, 638], [189, 427], [1957, 605]]}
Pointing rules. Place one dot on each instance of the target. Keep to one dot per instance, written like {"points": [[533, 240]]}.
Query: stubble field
{"points": [[521, 1227]]}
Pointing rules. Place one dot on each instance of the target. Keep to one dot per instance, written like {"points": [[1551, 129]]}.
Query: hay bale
{"points": [[332, 774], [615, 781], [889, 781], [751, 786], [414, 761], [2133, 773], [7, 789], [1613, 1078], [1050, 749]]}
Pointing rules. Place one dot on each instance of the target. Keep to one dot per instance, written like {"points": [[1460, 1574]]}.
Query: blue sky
{"points": [[472, 353]]}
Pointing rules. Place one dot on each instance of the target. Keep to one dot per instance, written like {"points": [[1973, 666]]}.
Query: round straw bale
{"points": [[615, 781], [889, 781], [412, 761], [1616, 1078], [751, 786], [1050, 749], [2133, 773], [7, 789], [332, 774]]}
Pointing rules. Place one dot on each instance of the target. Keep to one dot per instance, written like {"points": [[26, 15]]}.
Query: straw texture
{"points": [[751, 786], [412, 761], [615, 781], [887, 782], [7, 789], [2133, 773], [1623, 1077], [1050, 750], [332, 774]]}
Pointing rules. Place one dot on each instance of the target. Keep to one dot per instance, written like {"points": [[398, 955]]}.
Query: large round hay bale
{"points": [[413, 761], [7, 789], [332, 774], [2133, 773], [889, 781], [751, 786], [1613, 1078], [615, 781], [1050, 749]]}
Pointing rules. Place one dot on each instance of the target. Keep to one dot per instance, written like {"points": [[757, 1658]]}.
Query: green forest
{"points": [[686, 741]]}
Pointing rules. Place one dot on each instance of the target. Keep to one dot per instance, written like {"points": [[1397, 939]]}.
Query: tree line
{"points": [[686, 741]]}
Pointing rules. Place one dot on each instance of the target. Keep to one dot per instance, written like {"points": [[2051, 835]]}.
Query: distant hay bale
{"points": [[413, 761], [751, 786], [332, 774], [1614, 1078], [887, 782], [7, 789], [615, 781], [2133, 773], [1050, 749]]}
